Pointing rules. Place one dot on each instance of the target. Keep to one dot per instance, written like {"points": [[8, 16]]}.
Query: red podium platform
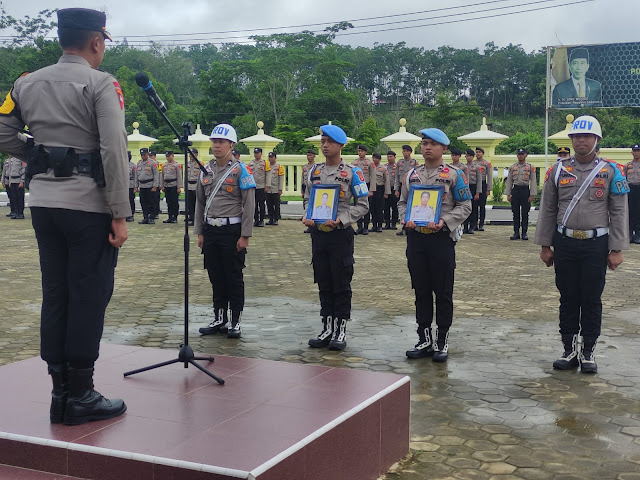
{"points": [[270, 421]]}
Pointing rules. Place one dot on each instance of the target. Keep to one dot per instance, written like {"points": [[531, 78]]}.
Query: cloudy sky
{"points": [[429, 24]]}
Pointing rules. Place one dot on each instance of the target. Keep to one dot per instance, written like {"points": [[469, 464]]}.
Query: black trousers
{"points": [[332, 258], [471, 223], [191, 204], [581, 267], [156, 203], [171, 197], [258, 215], [132, 201], [391, 208], [224, 265], [482, 204], [146, 202], [273, 205], [634, 208], [78, 264], [17, 198], [520, 207], [377, 206], [364, 221], [432, 260]]}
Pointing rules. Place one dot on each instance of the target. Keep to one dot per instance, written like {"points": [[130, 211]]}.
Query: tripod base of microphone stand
{"points": [[185, 356]]}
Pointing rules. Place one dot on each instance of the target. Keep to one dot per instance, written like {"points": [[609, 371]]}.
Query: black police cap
{"points": [[144, 150], [362, 147], [311, 151], [455, 151], [468, 151], [168, 153], [522, 150], [480, 149], [635, 146], [83, 19], [391, 152], [257, 150], [407, 147], [563, 150], [152, 153]]}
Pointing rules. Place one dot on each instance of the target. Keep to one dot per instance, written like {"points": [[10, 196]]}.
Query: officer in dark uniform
{"points": [[632, 171], [332, 241], [431, 254], [79, 203]]}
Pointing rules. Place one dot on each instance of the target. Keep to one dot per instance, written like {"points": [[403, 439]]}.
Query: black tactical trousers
{"points": [[273, 205], [171, 197], [520, 207], [472, 220], [17, 198], [581, 266], [391, 208], [377, 205], [156, 203], [432, 260], [191, 203], [132, 201], [146, 202], [364, 221], [482, 204], [224, 265], [258, 215], [77, 263], [332, 257], [634, 208]]}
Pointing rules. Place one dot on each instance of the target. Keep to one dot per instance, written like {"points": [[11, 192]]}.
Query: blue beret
{"points": [[335, 133], [436, 135]]}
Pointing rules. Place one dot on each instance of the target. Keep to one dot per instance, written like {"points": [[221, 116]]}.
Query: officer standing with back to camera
{"points": [[79, 203], [132, 188], [261, 171], [521, 188], [632, 171], [584, 216], [431, 256], [332, 242], [14, 184], [192, 180], [147, 183], [171, 180], [223, 223]]}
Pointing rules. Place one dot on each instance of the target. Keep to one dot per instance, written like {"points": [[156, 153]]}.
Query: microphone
{"points": [[142, 79]]}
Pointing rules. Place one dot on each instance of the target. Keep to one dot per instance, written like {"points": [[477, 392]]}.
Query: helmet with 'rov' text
{"points": [[586, 124], [225, 132]]}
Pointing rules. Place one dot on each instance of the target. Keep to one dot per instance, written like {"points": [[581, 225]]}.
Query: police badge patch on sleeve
{"points": [[120, 95]]}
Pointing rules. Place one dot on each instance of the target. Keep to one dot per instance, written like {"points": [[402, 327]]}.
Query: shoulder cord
{"points": [[583, 188], [217, 187]]}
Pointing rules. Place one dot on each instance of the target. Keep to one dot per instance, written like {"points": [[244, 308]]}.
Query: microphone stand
{"points": [[185, 355]]}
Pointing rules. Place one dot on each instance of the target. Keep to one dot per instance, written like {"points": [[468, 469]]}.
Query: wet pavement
{"points": [[496, 409]]}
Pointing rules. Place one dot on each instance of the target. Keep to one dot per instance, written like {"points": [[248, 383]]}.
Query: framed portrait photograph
{"points": [[424, 204], [323, 203]]}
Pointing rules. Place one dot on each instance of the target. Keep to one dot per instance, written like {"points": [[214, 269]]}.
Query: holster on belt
{"points": [[37, 161]]}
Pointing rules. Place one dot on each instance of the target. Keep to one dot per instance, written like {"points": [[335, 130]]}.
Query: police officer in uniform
{"points": [[406, 163], [192, 179], [381, 186], [5, 185], [365, 164], [456, 154], [306, 169], [332, 242], [632, 171], [171, 180], [484, 186], [132, 188], [79, 203], [431, 249], [274, 189], [156, 193], [521, 188], [471, 223], [584, 217], [15, 178], [147, 183], [563, 152], [261, 171], [223, 223], [391, 200]]}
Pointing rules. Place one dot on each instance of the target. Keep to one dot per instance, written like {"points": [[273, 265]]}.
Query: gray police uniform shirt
{"points": [[277, 178], [463, 168], [261, 172], [392, 168], [382, 181], [632, 172], [306, 170], [15, 170], [147, 175], [341, 174], [366, 165], [171, 175], [453, 211], [5, 170], [404, 167], [193, 174], [70, 104], [484, 175], [132, 174], [601, 206], [522, 176], [472, 173], [230, 201]]}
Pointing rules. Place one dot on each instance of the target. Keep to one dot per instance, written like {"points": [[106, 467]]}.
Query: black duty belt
{"points": [[193, 182], [145, 181], [16, 176]]}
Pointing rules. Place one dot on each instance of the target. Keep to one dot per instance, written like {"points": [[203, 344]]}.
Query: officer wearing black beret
{"points": [[79, 200]]}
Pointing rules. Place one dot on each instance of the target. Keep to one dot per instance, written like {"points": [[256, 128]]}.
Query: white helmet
{"points": [[586, 124], [225, 132]]}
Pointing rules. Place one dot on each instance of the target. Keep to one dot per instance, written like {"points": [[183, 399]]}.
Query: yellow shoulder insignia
{"points": [[9, 104]]}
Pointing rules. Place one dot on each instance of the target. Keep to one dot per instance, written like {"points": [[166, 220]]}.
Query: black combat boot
{"points": [[234, 330], [480, 227], [636, 238], [168, 220], [339, 337], [393, 226], [515, 236], [308, 230], [524, 234], [219, 323], [260, 223], [569, 358], [441, 348], [387, 226], [360, 227], [587, 359], [424, 347], [401, 233], [130, 219], [324, 338], [85, 404], [270, 222], [144, 221], [12, 213], [60, 378], [18, 216]]}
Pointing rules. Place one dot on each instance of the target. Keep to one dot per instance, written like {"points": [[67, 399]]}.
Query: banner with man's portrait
{"points": [[584, 76]]}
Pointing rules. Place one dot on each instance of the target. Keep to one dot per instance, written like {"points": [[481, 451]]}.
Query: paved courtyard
{"points": [[495, 410]]}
